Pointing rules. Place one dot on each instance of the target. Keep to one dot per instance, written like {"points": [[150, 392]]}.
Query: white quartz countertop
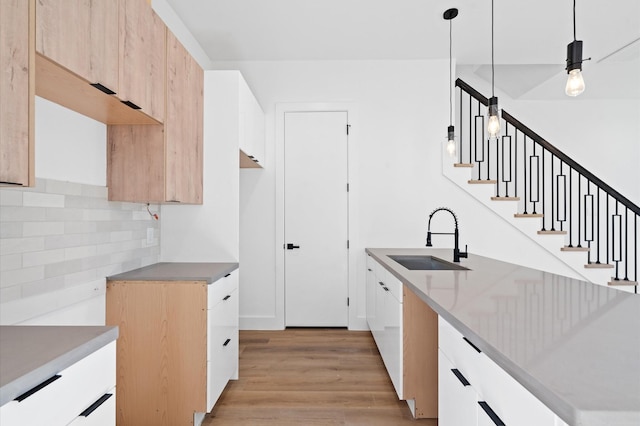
{"points": [[29, 355], [572, 344], [178, 271]]}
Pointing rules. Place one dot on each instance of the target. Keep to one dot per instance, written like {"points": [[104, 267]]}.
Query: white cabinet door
{"points": [[251, 120], [393, 340], [371, 292], [457, 400]]}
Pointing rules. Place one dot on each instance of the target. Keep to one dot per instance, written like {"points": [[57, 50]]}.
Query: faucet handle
{"points": [[464, 253]]}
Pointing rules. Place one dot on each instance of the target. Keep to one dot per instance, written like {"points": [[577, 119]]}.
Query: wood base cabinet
{"points": [[178, 347], [406, 333]]}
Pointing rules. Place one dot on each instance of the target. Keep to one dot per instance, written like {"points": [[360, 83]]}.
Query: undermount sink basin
{"points": [[425, 263]]}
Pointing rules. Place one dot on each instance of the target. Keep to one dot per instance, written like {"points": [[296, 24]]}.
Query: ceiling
{"points": [[530, 37]]}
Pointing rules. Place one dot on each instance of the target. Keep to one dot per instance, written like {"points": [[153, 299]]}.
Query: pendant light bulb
{"points": [[451, 142], [493, 122], [575, 83]]}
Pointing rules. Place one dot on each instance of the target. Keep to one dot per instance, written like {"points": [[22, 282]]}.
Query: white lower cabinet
{"points": [[490, 396], [384, 317], [222, 336], [76, 395]]}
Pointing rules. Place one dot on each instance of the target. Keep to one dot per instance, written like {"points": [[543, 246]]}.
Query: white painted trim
{"points": [[355, 321]]}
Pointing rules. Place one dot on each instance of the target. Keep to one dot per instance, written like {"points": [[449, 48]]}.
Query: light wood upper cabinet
{"points": [[17, 87], [82, 36], [183, 124], [142, 55], [162, 163]]}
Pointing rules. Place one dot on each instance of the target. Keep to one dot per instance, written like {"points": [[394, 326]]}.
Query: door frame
{"points": [[356, 313]]}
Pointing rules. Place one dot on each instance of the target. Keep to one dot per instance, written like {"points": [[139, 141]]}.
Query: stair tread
{"points": [[598, 266], [552, 232], [462, 165], [528, 215], [620, 282], [505, 198], [567, 248], [483, 181]]}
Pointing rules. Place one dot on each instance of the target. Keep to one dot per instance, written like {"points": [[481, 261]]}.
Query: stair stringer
{"points": [[527, 226]]}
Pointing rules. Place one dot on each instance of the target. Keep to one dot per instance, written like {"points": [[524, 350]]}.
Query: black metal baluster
{"points": [[588, 207], [598, 224], [579, 212], [607, 226], [544, 211], [470, 116], [626, 244], [515, 165], [524, 173], [570, 224], [616, 219], [461, 139], [561, 197], [553, 219]]}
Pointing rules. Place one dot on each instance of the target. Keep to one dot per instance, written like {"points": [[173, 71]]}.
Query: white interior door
{"points": [[316, 219]]}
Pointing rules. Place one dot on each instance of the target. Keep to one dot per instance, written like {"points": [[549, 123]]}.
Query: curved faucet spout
{"points": [[457, 254]]}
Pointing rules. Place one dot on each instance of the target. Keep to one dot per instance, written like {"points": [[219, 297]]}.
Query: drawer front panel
{"points": [[218, 290], [64, 399], [104, 415]]}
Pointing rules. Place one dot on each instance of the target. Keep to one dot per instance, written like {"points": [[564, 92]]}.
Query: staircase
{"points": [[546, 195]]}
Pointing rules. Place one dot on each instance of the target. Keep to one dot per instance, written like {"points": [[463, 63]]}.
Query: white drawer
{"points": [[389, 281], [101, 413], [219, 289], [222, 323], [65, 397], [461, 352]]}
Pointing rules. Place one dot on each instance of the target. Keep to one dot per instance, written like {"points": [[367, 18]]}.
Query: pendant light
{"points": [[493, 122], [448, 15], [575, 82]]}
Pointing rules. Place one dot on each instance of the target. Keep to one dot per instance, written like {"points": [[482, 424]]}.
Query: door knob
{"points": [[291, 246]]}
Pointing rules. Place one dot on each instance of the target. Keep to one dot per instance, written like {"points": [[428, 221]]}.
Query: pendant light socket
{"points": [[449, 14], [574, 56]]}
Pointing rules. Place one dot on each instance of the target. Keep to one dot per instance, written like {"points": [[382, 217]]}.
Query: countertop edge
{"points": [[225, 268], [17, 387]]}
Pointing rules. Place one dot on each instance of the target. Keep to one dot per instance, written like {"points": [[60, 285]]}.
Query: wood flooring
{"points": [[310, 376]]}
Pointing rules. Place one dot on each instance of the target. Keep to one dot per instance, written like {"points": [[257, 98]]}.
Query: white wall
{"points": [[209, 232], [402, 121]]}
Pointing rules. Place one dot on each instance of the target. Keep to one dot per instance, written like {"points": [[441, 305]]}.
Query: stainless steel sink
{"points": [[426, 263]]}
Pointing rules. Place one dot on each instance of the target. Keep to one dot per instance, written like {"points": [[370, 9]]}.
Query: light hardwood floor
{"points": [[310, 377]]}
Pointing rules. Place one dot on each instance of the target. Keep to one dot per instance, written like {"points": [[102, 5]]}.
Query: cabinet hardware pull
{"points": [[93, 407], [11, 183], [255, 160], [472, 345], [369, 269], [460, 377], [492, 415], [131, 104], [385, 289], [226, 342], [103, 89], [226, 297], [227, 275], [381, 283], [35, 389]]}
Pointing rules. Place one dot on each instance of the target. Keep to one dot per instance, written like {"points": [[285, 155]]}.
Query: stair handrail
{"points": [[552, 149]]}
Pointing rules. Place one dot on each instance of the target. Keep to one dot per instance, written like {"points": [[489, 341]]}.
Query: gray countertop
{"points": [[176, 271], [30, 355], [572, 344]]}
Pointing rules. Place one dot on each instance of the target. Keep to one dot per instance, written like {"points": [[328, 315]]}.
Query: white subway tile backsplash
{"points": [[65, 188], [79, 252], [44, 257], [10, 197], [60, 236], [38, 199], [21, 214], [21, 276], [10, 229], [10, 262], [21, 245], [37, 229]]}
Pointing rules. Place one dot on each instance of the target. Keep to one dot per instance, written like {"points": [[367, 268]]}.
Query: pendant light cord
{"points": [[450, 72], [574, 20], [492, 62]]}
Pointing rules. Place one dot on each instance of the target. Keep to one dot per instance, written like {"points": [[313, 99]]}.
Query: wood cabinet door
{"points": [[183, 125], [82, 36], [16, 92], [142, 57]]}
